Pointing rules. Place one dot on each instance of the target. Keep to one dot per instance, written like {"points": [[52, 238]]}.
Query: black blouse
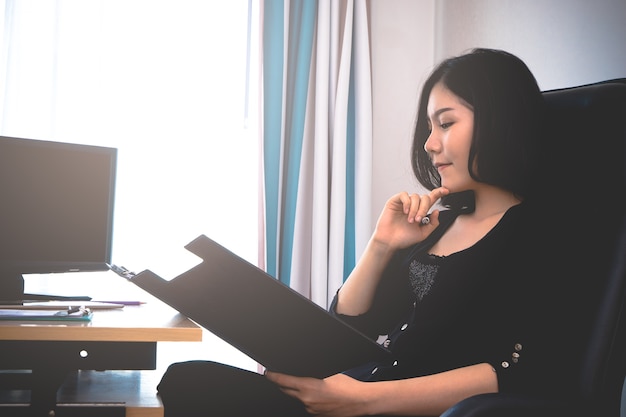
{"points": [[483, 304]]}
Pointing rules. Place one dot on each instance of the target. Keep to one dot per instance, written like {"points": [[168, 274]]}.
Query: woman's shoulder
{"points": [[521, 215]]}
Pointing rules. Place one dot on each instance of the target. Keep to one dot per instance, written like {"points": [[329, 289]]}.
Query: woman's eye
{"points": [[445, 126]]}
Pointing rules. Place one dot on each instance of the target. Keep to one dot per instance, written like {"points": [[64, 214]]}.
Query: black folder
{"points": [[259, 315]]}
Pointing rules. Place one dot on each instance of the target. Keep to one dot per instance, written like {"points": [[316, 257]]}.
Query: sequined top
{"points": [[479, 305]]}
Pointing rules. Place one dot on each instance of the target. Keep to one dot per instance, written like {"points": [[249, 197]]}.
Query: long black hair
{"points": [[509, 113]]}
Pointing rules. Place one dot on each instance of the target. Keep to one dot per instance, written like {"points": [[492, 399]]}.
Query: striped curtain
{"points": [[316, 142]]}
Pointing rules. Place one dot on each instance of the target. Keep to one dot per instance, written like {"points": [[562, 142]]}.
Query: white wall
{"points": [[402, 57], [564, 42]]}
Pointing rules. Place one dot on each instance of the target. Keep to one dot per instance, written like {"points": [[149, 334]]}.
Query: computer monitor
{"points": [[56, 209]]}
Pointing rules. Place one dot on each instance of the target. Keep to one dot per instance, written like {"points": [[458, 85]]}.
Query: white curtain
{"points": [[317, 141]]}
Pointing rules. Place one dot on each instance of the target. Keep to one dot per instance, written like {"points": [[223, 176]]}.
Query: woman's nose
{"points": [[431, 144]]}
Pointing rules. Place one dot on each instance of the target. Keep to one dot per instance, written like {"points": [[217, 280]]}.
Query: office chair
{"points": [[585, 155]]}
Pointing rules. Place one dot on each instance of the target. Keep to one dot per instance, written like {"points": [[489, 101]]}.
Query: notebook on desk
{"points": [[262, 317]]}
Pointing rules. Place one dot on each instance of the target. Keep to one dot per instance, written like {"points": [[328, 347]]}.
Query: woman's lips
{"points": [[440, 167]]}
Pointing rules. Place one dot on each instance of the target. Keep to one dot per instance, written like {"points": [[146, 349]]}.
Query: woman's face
{"points": [[451, 123]]}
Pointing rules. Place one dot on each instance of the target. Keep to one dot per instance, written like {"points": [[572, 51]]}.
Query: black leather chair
{"points": [[585, 156]]}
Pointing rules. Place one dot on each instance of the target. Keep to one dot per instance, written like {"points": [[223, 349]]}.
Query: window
{"points": [[165, 83]]}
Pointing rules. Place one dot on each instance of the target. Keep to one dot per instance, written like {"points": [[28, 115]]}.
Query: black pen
{"points": [[73, 309]]}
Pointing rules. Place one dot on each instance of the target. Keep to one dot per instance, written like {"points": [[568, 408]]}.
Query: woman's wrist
{"points": [[380, 250]]}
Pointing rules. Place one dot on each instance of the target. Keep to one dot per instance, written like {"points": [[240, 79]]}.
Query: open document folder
{"points": [[262, 317]]}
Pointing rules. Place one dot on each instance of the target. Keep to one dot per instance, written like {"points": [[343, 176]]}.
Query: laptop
{"points": [[259, 315]]}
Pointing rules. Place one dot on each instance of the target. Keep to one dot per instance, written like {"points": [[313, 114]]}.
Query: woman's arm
{"points": [[433, 394], [342, 396], [356, 294], [398, 227]]}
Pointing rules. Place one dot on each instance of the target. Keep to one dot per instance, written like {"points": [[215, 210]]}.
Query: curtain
{"points": [[316, 142]]}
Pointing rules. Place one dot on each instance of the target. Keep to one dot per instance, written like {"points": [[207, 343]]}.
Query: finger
{"points": [[419, 206], [277, 378], [286, 382], [405, 198], [427, 202], [413, 206]]}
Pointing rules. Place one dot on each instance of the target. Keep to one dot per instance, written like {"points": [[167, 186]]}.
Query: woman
{"points": [[444, 282]]}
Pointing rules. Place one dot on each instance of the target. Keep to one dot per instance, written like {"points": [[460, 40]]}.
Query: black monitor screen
{"points": [[56, 206]]}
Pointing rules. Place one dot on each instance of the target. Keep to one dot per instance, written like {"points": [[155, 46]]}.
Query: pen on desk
{"points": [[73, 309]]}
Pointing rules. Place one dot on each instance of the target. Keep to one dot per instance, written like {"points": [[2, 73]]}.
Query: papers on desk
{"points": [[72, 314], [62, 305]]}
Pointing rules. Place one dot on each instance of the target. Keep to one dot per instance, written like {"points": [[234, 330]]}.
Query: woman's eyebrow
{"points": [[442, 110], [439, 111]]}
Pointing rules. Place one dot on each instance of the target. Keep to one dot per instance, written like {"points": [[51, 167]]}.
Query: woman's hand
{"points": [[336, 396], [400, 226]]}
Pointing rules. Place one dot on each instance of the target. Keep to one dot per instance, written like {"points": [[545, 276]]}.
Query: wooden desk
{"points": [[150, 322], [114, 340]]}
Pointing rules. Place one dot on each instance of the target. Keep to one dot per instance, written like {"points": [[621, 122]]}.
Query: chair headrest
{"points": [[585, 148]]}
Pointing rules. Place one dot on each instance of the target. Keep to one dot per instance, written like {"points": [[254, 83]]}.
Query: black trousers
{"points": [[210, 389]]}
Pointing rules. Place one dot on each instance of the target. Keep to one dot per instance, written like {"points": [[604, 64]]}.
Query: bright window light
{"points": [[165, 83]]}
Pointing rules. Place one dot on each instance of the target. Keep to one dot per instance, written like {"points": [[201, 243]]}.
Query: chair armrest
{"points": [[511, 405]]}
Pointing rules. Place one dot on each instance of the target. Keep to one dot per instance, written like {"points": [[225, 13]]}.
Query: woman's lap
{"points": [[210, 389]]}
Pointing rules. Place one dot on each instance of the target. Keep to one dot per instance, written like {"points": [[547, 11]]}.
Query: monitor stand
{"points": [[12, 291]]}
